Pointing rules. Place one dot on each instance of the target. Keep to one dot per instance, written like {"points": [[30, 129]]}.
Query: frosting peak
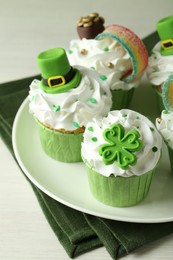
{"points": [[165, 127], [159, 66], [72, 109], [106, 56]]}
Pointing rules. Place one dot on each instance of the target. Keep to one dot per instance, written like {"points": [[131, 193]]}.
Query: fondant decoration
{"points": [[120, 146], [167, 93], [89, 26], [165, 31], [132, 44], [57, 74]]}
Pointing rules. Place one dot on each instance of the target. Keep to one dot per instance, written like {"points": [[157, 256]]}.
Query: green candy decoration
{"points": [[57, 74], [121, 146]]}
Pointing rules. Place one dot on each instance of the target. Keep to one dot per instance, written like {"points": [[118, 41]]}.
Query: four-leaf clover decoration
{"points": [[121, 146]]}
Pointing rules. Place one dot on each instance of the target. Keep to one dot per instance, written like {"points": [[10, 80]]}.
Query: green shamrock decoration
{"points": [[121, 146]]}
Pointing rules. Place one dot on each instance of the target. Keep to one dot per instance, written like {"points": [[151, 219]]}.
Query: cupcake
{"points": [[164, 125], [63, 102], [160, 65], [121, 152], [118, 55]]}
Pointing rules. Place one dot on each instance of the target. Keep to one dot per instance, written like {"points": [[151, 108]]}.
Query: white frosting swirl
{"points": [[159, 66], [98, 54], [165, 127], [147, 157], [74, 108]]}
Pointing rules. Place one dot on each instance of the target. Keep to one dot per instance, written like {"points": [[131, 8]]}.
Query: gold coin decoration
{"points": [[89, 20], [93, 15], [88, 24], [110, 65], [84, 52], [159, 120], [86, 19]]}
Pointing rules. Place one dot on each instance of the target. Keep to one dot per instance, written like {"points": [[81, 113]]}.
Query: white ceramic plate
{"points": [[67, 182]]}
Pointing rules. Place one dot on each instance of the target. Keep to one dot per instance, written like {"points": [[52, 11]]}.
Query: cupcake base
{"points": [[65, 147], [119, 191], [121, 98], [170, 151]]}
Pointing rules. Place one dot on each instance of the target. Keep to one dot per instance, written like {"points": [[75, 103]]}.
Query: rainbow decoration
{"points": [[132, 44], [167, 93]]}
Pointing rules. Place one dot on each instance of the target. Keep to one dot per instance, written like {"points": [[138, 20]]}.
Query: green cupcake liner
{"points": [[159, 101], [170, 152], [60, 146], [121, 98], [119, 191]]}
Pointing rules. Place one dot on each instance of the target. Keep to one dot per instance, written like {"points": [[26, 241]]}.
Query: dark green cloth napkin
{"points": [[79, 232]]}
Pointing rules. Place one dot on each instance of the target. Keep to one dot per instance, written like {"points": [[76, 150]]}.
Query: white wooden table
{"points": [[26, 28]]}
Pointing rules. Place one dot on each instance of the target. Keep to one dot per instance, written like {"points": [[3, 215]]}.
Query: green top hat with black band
{"points": [[57, 74], [165, 31]]}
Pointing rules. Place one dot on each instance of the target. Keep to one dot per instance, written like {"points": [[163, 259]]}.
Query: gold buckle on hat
{"points": [[167, 44], [56, 78]]}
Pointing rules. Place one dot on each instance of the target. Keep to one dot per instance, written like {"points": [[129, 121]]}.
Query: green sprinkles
{"points": [[56, 108], [137, 117], [33, 98], [103, 77], [106, 48], [124, 115], [93, 100], [154, 149], [70, 51], [152, 129], [75, 124], [91, 129], [94, 139]]}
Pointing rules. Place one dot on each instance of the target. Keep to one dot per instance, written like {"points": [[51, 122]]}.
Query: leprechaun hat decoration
{"points": [[165, 31], [57, 74]]}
